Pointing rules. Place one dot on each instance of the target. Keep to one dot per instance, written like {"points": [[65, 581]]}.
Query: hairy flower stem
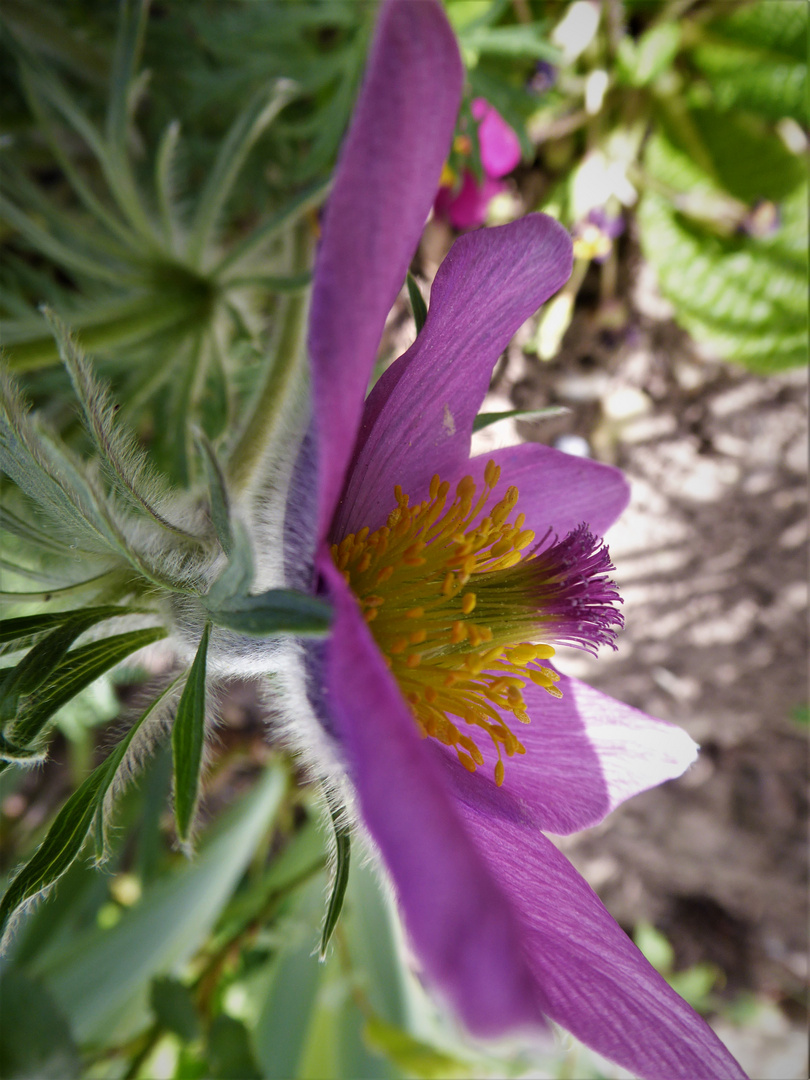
{"points": [[284, 379]]}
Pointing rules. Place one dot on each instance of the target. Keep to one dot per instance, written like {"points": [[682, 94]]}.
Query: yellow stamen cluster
{"points": [[415, 579]]}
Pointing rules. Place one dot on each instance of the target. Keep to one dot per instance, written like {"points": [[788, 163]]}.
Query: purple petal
{"points": [[585, 754], [500, 146], [460, 924], [557, 490], [384, 187], [595, 981], [418, 418]]}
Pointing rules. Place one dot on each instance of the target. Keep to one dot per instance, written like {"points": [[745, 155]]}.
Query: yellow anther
{"points": [[469, 764], [414, 660], [399, 646], [499, 772], [383, 575], [370, 615], [524, 539], [415, 613], [447, 584], [434, 486], [468, 603], [458, 632], [465, 488], [492, 474], [417, 637], [364, 563]]}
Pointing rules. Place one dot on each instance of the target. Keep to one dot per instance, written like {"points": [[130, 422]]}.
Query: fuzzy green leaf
{"points": [[217, 492], [278, 611], [188, 736], [69, 830], [35, 668], [244, 132], [236, 578], [11, 629], [78, 669], [343, 846]]}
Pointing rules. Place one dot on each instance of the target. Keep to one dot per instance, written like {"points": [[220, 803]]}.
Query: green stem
{"points": [[284, 375]]}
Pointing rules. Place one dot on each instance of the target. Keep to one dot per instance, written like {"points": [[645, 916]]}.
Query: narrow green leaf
{"points": [[59, 848], [79, 668], [131, 28], [278, 611], [101, 978], [236, 578], [340, 880], [217, 492], [244, 132], [38, 664], [417, 302], [67, 834], [11, 629], [164, 181], [126, 462], [188, 736], [485, 419]]}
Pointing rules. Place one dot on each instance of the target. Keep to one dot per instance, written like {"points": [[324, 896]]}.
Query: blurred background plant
{"points": [[162, 168]]}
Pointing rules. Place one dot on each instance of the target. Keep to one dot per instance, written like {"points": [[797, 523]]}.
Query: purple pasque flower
{"points": [[464, 203], [595, 233], [502, 925]]}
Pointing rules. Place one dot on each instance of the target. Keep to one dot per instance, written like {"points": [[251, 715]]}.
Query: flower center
{"points": [[464, 607]]}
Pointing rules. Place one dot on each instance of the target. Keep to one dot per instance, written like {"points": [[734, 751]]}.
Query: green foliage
{"points": [[67, 834], [755, 58], [743, 295], [694, 984], [35, 1038]]}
